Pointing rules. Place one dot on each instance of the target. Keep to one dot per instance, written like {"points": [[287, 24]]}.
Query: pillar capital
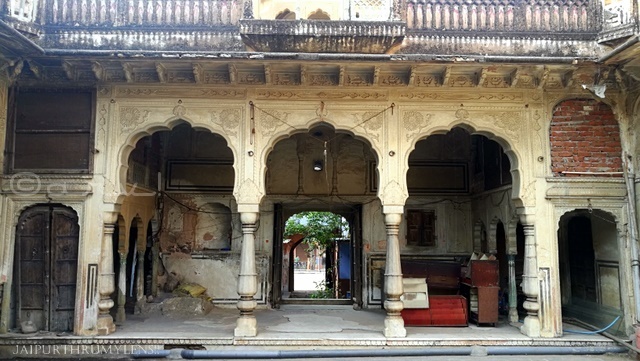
{"points": [[392, 218], [249, 217]]}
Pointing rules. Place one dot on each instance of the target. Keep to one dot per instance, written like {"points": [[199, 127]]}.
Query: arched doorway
{"points": [[317, 255], [589, 266], [322, 170], [181, 178], [45, 268], [460, 185]]}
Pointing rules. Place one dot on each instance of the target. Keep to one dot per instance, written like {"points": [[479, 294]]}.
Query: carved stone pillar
{"points": [[530, 283], [513, 289], [246, 325], [122, 288], [107, 282], [155, 254], [140, 277], [393, 323]]}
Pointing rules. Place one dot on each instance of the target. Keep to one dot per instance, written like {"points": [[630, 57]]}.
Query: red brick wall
{"points": [[584, 137]]}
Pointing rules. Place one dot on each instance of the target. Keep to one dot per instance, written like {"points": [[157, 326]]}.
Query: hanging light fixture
{"points": [[317, 165]]}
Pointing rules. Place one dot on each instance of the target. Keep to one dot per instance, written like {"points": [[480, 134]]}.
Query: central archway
{"points": [[321, 170]]}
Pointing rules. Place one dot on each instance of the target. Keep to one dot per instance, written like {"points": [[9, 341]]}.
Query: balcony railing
{"points": [[564, 18], [126, 13], [504, 15]]}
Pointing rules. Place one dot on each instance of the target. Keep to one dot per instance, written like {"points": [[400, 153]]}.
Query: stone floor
{"points": [[295, 327]]}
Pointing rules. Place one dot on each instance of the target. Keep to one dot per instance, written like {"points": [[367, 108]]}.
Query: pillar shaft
{"points": [[122, 288], [530, 283], [246, 325], [393, 323], [140, 297], [513, 289], [107, 282]]}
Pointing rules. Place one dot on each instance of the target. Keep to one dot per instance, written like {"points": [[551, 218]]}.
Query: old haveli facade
{"points": [[197, 123]]}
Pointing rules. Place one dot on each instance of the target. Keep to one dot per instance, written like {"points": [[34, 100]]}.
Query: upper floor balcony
{"points": [[350, 26]]}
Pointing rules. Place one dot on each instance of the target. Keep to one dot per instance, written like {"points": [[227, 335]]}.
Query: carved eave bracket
{"points": [[276, 73]]}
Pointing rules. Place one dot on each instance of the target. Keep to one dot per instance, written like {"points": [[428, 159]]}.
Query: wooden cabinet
{"points": [[481, 290]]}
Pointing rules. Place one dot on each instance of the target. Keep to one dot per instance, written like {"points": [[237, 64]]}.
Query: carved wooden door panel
{"points": [[64, 262], [46, 267]]}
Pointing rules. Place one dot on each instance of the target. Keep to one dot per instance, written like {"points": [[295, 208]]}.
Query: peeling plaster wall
{"points": [[218, 273]]}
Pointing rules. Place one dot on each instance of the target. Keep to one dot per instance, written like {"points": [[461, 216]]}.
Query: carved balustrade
{"points": [[573, 16], [126, 13]]}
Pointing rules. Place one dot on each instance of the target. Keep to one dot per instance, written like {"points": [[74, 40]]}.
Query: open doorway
{"points": [[590, 267], [318, 260], [316, 253]]}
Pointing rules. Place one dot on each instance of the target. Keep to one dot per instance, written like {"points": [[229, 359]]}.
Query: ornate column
{"points": [[530, 282], [122, 288], [140, 277], [155, 260], [393, 323], [246, 325], [107, 281], [513, 289]]}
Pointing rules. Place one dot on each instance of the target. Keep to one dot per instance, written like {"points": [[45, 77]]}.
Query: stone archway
{"points": [[322, 169], [590, 259]]}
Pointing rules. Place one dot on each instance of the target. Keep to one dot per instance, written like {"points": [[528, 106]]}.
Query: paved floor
{"points": [[294, 327]]}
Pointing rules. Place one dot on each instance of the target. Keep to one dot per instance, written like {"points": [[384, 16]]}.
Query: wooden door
{"points": [[46, 267]]}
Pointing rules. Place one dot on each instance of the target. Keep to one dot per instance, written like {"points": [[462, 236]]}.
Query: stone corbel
{"points": [[128, 72], [483, 76], [544, 78], [233, 74], [567, 79], [303, 75], [13, 69], [515, 77], [69, 70], [267, 74], [162, 72], [376, 75], [98, 70], [621, 81], [412, 75], [36, 69], [198, 73], [446, 76]]}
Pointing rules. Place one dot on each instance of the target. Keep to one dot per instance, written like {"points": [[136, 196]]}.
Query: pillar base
{"points": [[394, 327], [246, 326], [513, 315], [120, 316], [531, 326], [106, 325]]}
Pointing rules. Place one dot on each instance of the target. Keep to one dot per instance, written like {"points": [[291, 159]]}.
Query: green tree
{"points": [[318, 228]]}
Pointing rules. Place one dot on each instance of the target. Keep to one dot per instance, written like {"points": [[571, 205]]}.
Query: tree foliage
{"points": [[318, 228]]}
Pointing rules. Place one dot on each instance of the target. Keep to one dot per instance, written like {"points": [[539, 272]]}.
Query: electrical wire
{"points": [[596, 331]]}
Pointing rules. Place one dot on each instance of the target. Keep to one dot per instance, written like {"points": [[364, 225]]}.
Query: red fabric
{"points": [[442, 311]]}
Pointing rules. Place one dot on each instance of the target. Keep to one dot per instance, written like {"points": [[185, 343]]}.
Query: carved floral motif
{"points": [[371, 122], [270, 120], [414, 122], [229, 120], [131, 117]]}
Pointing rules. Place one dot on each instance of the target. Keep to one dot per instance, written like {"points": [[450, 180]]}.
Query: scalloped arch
{"points": [[169, 124], [489, 133]]}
